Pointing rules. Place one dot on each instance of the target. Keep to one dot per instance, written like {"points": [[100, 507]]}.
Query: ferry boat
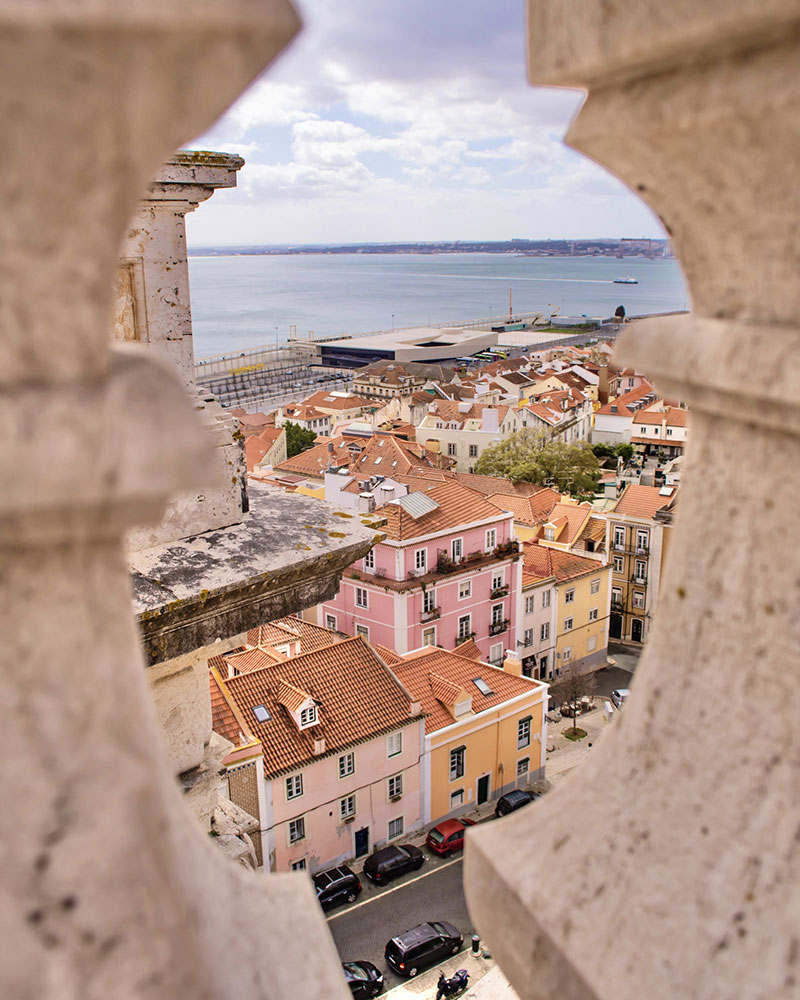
{"points": [[626, 280]]}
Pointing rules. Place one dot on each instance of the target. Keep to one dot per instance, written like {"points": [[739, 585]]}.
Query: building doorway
{"points": [[615, 625], [362, 841], [483, 789], [637, 628]]}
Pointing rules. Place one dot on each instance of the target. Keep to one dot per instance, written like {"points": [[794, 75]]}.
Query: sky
{"points": [[408, 120]]}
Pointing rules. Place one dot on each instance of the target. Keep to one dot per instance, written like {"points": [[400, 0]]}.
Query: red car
{"points": [[448, 836]]}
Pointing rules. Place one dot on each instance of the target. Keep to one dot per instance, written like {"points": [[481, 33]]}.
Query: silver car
{"points": [[620, 696]]}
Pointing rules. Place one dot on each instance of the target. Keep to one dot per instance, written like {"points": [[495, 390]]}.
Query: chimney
{"points": [[512, 665], [319, 746]]}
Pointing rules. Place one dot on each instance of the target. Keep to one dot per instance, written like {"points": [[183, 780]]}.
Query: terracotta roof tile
{"points": [[469, 650], [541, 562], [620, 403], [418, 668], [444, 690], [389, 657], [642, 501], [358, 698], [532, 510], [329, 401], [270, 634], [456, 505], [223, 721]]}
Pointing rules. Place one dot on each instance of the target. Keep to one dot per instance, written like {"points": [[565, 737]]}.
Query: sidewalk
{"points": [[486, 981], [562, 754]]}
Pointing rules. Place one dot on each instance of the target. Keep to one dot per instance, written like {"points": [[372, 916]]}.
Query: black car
{"points": [[335, 886], [389, 862], [422, 946], [363, 978], [515, 799]]}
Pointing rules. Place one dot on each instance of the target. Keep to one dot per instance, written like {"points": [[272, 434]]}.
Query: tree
{"points": [[297, 439], [625, 449], [575, 681], [602, 450], [531, 456], [619, 312]]}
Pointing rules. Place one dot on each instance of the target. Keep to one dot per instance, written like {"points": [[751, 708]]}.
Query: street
{"points": [[435, 892]]}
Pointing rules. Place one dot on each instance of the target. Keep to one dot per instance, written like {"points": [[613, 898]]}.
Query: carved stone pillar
{"points": [[109, 888], [669, 866]]}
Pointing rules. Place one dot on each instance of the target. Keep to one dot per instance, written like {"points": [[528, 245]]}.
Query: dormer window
{"points": [[549, 534], [308, 716]]}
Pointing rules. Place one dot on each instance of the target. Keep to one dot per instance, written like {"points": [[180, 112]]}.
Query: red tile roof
{"points": [[642, 501], [571, 518], [329, 401], [271, 634], [223, 721], [456, 505], [541, 563], [531, 510], [424, 672], [358, 698], [620, 403], [469, 649]]}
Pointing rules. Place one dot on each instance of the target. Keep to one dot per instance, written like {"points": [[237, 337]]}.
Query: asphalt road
{"points": [[361, 931]]}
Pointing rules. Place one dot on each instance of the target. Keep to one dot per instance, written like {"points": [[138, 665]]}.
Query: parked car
{"points": [[448, 836], [335, 886], [390, 862], [620, 696], [422, 946], [363, 978], [515, 799]]}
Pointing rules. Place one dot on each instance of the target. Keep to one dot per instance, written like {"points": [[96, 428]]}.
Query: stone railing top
{"points": [[205, 169], [288, 552], [589, 41]]}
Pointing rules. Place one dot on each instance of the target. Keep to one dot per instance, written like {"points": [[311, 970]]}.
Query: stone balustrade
{"points": [[669, 866]]}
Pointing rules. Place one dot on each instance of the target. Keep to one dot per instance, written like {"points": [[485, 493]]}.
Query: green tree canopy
{"points": [[297, 439], [531, 456]]}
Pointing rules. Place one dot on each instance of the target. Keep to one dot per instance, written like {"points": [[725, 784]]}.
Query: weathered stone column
{"points": [[109, 889], [669, 866]]}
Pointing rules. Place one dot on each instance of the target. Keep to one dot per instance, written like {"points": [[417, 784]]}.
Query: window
{"points": [[394, 744], [595, 588], [491, 539], [524, 733], [546, 599], [618, 564], [641, 569], [369, 559], [395, 785], [299, 866], [457, 763], [616, 595], [464, 589], [362, 630], [549, 534], [567, 654], [496, 654], [429, 636], [428, 599], [347, 764], [261, 712], [473, 451], [569, 596], [330, 622], [395, 827], [347, 807], [591, 643], [642, 538], [451, 448], [638, 599], [464, 626], [530, 604], [619, 537], [523, 766], [457, 549], [294, 786], [362, 601], [545, 631], [421, 560], [497, 581], [297, 829], [497, 614], [593, 613], [308, 716], [568, 624], [528, 640], [457, 798]]}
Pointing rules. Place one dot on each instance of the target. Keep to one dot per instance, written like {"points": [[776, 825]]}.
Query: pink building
{"points": [[341, 740], [447, 570]]}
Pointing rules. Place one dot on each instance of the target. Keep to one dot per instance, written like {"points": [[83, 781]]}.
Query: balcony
{"points": [[463, 638], [497, 627], [617, 606], [499, 592], [638, 579], [429, 616], [509, 548]]}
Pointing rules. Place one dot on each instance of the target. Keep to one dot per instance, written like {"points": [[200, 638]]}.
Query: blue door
{"points": [[362, 841]]}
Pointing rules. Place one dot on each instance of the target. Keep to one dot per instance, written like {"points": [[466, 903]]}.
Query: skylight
{"points": [[261, 713], [482, 686]]}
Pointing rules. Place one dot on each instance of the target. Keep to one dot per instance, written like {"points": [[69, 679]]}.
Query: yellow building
{"points": [[574, 527], [580, 607], [485, 728]]}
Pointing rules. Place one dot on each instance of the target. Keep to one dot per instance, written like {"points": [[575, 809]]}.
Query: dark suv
{"points": [[389, 862], [422, 946], [515, 799], [335, 886]]}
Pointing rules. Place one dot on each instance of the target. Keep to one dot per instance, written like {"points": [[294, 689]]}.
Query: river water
{"points": [[240, 302]]}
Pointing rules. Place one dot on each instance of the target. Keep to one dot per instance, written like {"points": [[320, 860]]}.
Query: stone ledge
{"points": [[287, 554]]}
